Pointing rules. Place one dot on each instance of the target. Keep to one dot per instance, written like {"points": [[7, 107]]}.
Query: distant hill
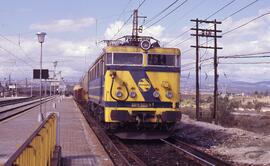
{"points": [[226, 86]]}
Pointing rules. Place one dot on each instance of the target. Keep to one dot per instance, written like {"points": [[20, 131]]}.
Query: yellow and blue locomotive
{"points": [[135, 83]]}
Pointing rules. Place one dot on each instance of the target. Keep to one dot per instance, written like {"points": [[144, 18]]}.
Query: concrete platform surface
{"points": [[15, 131], [79, 144]]}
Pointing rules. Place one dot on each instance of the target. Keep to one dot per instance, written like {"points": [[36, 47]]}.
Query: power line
{"points": [[236, 28], [236, 56], [229, 31], [167, 14], [141, 4], [223, 7], [125, 23], [226, 5], [234, 13], [247, 55], [17, 46], [186, 13], [239, 10], [16, 56], [191, 68], [123, 11], [157, 15], [244, 63]]}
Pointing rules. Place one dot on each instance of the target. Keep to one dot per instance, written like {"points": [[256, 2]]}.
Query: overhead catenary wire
{"points": [[126, 22], [141, 4], [177, 7], [18, 45], [124, 10], [162, 11], [12, 54]]}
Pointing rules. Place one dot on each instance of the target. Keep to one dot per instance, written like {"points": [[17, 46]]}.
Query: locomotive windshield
{"points": [[127, 58], [161, 60]]}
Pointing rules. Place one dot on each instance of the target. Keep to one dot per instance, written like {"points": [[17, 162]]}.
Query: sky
{"points": [[75, 30]]}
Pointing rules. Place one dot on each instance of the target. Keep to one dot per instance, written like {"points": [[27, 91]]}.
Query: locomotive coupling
{"points": [[113, 74]]}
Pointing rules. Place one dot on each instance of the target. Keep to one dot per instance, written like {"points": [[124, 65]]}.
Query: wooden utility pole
{"points": [[200, 32]]}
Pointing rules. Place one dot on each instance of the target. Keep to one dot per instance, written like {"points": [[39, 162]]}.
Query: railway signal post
{"points": [[212, 33]]}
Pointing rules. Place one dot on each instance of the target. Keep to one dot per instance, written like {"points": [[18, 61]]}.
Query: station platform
{"points": [[79, 144]]}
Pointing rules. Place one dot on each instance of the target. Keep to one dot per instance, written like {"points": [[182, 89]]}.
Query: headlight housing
{"points": [[132, 94], [169, 94], [156, 94], [119, 94]]}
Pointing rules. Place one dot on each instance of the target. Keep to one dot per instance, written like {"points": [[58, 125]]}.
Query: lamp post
{"points": [[41, 37]]}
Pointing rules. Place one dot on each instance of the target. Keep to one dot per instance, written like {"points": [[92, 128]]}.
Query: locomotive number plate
{"points": [[142, 105]]}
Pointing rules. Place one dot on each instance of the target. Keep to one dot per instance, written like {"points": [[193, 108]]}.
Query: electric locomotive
{"points": [[135, 84]]}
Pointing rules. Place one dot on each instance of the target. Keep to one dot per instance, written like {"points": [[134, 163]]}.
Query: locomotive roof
{"points": [[160, 50]]}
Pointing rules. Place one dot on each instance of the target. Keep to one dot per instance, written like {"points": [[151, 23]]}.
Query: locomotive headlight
{"points": [[119, 93], [156, 94], [132, 94], [169, 94], [145, 44]]}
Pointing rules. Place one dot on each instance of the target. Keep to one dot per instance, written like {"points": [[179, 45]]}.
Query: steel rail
{"points": [[122, 147], [200, 156], [109, 145], [10, 110], [15, 101]]}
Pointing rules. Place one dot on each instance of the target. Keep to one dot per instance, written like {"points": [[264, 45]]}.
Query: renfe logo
{"points": [[144, 85]]}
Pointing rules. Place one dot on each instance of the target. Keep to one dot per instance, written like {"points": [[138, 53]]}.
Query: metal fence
{"points": [[38, 149]]}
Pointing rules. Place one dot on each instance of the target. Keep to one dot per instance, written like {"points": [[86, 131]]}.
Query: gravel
{"points": [[235, 145]]}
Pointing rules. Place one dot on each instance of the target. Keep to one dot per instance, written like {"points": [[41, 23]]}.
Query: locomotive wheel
{"points": [[170, 127], [111, 127]]}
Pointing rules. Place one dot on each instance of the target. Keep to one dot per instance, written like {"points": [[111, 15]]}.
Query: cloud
{"points": [[117, 30], [253, 37], [64, 25], [73, 56]]}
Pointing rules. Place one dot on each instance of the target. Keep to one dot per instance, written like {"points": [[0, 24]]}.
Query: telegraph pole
{"points": [[200, 32], [215, 73]]}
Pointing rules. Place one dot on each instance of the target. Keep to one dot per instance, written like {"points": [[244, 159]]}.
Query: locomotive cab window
{"points": [[109, 58], [127, 58], [161, 60]]}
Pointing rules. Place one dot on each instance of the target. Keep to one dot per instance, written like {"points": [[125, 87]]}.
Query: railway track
{"points": [[119, 153], [193, 153], [20, 108], [15, 101], [160, 152]]}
